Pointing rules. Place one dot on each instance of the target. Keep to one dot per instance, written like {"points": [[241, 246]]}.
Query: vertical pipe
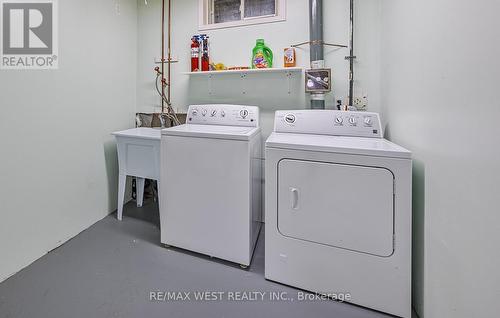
{"points": [[351, 53], [169, 52], [317, 101], [162, 55], [316, 32], [316, 41]]}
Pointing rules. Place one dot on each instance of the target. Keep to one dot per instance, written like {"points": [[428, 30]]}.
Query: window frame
{"points": [[205, 16]]}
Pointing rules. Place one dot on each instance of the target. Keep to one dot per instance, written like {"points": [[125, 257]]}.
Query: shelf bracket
{"points": [[243, 77], [210, 84], [289, 75]]}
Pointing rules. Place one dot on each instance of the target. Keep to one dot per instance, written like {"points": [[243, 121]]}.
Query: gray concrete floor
{"points": [[110, 269]]}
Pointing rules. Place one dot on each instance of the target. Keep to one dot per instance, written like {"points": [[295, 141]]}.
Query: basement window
{"points": [[218, 14]]}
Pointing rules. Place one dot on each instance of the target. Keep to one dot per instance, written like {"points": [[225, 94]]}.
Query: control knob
{"points": [[352, 120], [339, 120], [204, 112], [290, 118], [213, 113], [195, 112], [368, 121], [244, 113], [222, 113]]}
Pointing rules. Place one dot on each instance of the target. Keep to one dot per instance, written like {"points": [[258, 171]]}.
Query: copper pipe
{"points": [[169, 51], [163, 55]]}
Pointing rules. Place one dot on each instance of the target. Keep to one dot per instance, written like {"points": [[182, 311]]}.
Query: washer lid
{"points": [[337, 144], [212, 131]]}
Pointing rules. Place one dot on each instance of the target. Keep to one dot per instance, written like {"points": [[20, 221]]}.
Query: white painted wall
{"points": [[440, 81], [58, 166], [233, 46]]}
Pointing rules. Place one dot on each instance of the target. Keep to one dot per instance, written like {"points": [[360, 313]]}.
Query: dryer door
{"points": [[344, 206]]}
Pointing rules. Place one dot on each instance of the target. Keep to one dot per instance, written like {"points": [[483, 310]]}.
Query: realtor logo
{"points": [[29, 34]]}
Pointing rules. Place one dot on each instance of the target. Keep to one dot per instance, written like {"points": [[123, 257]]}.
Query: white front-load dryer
{"points": [[338, 209], [211, 177]]}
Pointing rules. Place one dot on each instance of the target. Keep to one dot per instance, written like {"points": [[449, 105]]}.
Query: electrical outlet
{"points": [[360, 102]]}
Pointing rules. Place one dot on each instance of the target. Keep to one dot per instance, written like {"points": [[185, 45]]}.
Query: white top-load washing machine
{"points": [[338, 209], [211, 182]]}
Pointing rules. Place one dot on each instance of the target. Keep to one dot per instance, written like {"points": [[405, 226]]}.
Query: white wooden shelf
{"points": [[248, 71], [288, 73]]}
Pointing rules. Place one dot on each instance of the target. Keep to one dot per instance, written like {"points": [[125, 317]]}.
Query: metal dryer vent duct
{"points": [[316, 41]]}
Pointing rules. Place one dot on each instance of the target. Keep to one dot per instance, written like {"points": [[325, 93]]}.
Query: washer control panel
{"points": [[329, 122], [224, 115]]}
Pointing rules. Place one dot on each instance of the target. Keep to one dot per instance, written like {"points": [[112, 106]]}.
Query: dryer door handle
{"points": [[295, 198]]}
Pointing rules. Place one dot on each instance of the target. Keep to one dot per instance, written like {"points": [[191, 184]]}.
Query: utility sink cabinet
{"points": [[139, 157]]}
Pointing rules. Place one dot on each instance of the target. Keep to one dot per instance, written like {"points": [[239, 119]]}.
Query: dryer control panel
{"points": [[223, 115], [329, 122]]}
